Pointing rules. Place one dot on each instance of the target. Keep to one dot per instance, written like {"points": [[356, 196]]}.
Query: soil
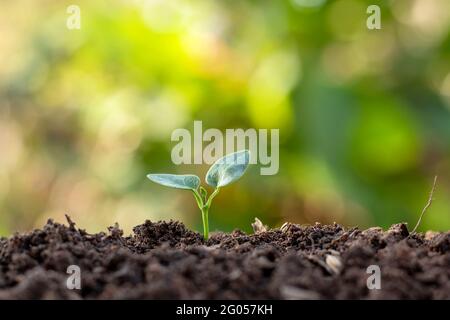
{"points": [[165, 260]]}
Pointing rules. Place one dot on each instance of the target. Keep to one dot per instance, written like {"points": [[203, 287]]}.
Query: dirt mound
{"points": [[164, 260]]}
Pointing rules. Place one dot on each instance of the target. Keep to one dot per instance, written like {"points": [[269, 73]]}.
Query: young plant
{"points": [[223, 172]]}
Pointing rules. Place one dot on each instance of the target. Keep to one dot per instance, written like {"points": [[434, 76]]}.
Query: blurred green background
{"points": [[364, 115]]}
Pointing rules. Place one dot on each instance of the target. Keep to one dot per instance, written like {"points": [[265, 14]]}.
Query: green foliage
{"points": [[179, 181], [224, 171], [228, 169]]}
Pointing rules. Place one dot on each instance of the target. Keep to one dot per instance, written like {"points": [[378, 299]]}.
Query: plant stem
{"points": [[204, 207], [205, 211], [198, 198], [211, 197]]}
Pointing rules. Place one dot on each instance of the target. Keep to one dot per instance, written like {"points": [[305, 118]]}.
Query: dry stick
{"points": [[430, 199]]}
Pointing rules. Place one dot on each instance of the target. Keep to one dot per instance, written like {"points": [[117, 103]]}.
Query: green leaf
{"points": [[179, 181], [228, 169]]}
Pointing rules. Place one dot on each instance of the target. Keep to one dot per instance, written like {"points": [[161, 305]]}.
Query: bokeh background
{"points": [[364, 115]]}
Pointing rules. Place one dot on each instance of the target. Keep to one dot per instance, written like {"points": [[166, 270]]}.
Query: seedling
{"points": [[224, 171]]}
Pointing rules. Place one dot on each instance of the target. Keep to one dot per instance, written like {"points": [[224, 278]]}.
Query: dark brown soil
{"points": [[164, 260]]}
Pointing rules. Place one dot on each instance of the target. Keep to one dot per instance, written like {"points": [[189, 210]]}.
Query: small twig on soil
{"points": [[321, 263], [258, 226], [286, 227], [70, 222], [334, 263], [430, 200]]}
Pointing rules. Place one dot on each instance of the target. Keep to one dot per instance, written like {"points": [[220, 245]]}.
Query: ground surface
{"points": [[165, 260]]}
